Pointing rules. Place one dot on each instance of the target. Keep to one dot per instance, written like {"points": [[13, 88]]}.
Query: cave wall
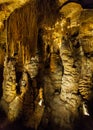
{"points": [[46, 63], [19, 93], [22, 31], [68, 56]]}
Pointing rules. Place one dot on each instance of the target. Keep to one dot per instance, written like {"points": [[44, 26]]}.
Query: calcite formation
{"points": [[85, 39], [46, 59]]}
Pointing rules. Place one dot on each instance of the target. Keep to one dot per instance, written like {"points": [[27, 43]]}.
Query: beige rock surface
{"points": [[63, 66]]}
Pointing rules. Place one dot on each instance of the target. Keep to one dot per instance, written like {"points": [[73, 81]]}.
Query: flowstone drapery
{"points": [[46, 58]]}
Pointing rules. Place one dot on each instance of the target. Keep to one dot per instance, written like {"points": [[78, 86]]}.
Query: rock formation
{"points": [[46, 63]]}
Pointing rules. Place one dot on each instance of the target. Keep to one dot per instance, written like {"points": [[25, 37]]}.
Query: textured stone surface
{"points": [[52, 75], [76, 79], [85, 39]]}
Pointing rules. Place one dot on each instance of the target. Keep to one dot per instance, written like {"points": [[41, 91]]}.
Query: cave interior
{"points": [[46, 65]]}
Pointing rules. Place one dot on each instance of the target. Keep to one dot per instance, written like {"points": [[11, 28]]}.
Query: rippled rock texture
{"points": [[46, 59]]}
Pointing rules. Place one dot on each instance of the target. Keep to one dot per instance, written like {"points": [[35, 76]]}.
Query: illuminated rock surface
{"points": [[46, 64]]}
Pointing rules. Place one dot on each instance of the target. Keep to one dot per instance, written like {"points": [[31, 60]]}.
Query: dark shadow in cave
{"points": [[18, 77], [86, 4], [85, 123], [1, 80]]}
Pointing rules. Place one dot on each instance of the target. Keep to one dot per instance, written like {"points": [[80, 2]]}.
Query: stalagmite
{"points": [[85, 39], [11, 102], [47, 73], [9, 82]]}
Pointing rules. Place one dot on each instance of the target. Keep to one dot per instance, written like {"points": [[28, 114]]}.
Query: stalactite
{"points": [[56, 75], [23, 54], [32, 66], [23, 31]]}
